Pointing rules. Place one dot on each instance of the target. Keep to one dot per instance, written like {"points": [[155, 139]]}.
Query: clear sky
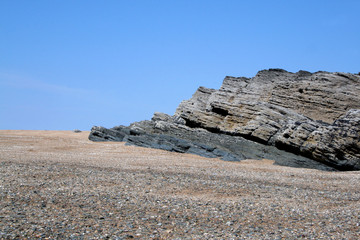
{"points": [[68, 65]]}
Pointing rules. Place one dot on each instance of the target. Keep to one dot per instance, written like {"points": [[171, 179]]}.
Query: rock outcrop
{"points": [[170, 133], [292, 118]]}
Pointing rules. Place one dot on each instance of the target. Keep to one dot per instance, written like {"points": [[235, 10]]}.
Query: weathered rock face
{"points": [[170, 133], [315, 115]]}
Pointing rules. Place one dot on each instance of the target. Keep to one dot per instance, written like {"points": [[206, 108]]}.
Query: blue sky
{"points": [[68, 65]]}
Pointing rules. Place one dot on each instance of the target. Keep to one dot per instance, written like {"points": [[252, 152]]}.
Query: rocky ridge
{"points": [[292, 118]]}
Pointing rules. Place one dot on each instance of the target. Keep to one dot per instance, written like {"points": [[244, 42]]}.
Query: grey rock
{"points": [[101, 134], [142, 134]]}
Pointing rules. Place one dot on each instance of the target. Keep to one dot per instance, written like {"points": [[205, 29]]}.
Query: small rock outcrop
{"points": [[298, 119]]}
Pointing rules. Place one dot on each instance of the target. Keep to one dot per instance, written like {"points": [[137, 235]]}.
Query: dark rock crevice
{"points": [[220, 111]]}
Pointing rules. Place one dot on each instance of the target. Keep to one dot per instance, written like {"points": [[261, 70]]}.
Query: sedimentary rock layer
{"points": [[314, 115], [170, 133]]}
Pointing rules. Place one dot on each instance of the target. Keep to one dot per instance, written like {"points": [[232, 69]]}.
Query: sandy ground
{"points": [[58, 184]]}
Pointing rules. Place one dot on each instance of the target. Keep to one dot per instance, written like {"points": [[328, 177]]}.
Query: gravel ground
{"points": [[59, 185]]}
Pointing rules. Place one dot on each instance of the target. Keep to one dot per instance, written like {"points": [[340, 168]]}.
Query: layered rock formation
{"points": [[294, 116]]}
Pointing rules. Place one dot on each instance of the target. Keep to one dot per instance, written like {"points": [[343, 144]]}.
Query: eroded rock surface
{"points": [[170, 133], [288, 117]]}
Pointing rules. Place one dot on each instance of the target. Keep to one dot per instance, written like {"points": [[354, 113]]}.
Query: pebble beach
{"points": [[60, 185]]}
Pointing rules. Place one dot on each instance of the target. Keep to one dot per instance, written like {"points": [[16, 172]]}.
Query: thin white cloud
{"points": [[17, 81]]}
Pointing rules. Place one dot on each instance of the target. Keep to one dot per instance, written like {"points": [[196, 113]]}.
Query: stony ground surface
{"points": [[59, 185]]}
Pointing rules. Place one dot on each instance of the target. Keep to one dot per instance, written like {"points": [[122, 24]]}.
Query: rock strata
{"points": [[162, 132], [292, 118]]}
